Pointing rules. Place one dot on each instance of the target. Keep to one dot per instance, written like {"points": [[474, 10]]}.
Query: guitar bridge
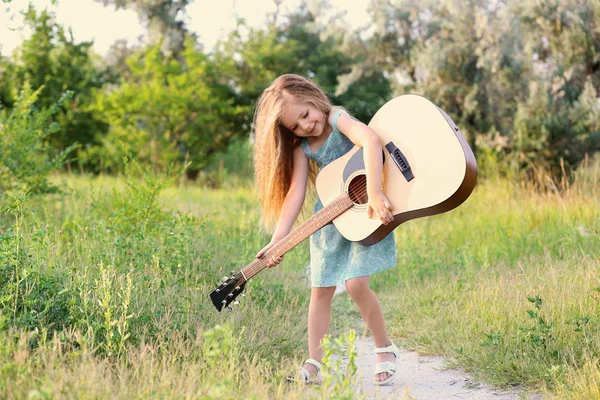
{"points": [[400, 161]]}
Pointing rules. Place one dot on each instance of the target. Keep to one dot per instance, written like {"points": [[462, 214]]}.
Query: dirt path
{"points": [[424, 378]]}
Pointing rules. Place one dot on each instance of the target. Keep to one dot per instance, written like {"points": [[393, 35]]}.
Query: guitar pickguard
{"points": [[356, 163]]}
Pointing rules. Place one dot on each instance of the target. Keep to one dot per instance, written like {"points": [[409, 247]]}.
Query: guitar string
{"points": [[332, 211], [359, 192], [259, 263]]}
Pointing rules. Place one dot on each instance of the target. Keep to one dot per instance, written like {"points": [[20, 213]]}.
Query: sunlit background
{"points": [[211, 20], [126, 194]]}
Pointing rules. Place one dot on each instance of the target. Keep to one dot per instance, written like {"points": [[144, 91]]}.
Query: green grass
{"points": [[507, 287], [105, 292]]}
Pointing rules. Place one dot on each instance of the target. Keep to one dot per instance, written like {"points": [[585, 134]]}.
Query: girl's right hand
{"points": [[380, 207], [274, 260]]}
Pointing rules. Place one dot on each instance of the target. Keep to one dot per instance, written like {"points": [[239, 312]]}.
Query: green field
{"points": [[105, 292]]}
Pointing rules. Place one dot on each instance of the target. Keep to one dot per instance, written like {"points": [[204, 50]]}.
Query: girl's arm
{"points": [[292, 204], [363, 136]]}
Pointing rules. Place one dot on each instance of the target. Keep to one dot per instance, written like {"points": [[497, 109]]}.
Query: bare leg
{"points": [[319, 315], [370, 310]]}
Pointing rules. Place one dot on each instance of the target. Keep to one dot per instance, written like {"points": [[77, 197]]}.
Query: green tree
{"points": [[519, 77], [167, 111], [560, 117], [6, 70], [52, 61], [300, 44], [457, 54], [26, 160]]}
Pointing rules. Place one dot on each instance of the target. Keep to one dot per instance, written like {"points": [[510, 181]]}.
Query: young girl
{"points": [[295, 122]]}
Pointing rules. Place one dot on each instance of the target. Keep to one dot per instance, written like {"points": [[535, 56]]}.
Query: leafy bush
{"points": [[26, 160], [169, 111]]}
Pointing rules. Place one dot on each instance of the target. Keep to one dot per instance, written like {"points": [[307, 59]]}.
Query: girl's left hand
{"points": [[380, 207], [274, 260]]}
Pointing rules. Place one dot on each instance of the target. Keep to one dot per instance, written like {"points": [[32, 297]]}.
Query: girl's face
{"points": [[303, 120]]}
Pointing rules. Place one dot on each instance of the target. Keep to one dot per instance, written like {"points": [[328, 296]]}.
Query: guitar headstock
{"points": [[227, 291]]}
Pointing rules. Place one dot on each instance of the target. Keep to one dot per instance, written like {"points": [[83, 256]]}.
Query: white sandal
{"points": [[305, 376], [386, 366]]}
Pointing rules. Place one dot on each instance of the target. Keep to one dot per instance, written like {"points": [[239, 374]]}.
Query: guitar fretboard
{"points": [[307, 228]]}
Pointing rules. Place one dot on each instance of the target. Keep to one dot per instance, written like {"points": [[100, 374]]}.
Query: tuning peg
{"points": [[243, 294], [232, 272], [225, 278], [229, 309], [237, 288], [236, 302]]}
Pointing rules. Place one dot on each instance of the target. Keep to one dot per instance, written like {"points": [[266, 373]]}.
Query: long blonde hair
{"points": [[274, 144]]}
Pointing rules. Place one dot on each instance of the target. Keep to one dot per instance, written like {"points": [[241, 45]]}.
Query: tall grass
{"points": [[507, 286], [105, 292]]}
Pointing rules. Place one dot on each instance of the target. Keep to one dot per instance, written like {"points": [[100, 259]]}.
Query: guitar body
{"points": [[442, 169]]}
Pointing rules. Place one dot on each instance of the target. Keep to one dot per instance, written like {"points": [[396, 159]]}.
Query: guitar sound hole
{"points": [[358, 190]]}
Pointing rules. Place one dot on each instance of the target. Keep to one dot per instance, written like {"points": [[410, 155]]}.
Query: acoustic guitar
{"points": [[428, 169]]}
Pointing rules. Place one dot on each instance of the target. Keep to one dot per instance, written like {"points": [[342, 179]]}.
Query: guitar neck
{"points": [[297, 236]]}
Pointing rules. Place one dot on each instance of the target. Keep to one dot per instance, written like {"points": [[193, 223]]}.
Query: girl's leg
{"points": [[370, 310], [319, 314]]}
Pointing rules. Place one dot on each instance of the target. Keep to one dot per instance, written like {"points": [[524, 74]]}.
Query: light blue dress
{"points": [[333, 258]]}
